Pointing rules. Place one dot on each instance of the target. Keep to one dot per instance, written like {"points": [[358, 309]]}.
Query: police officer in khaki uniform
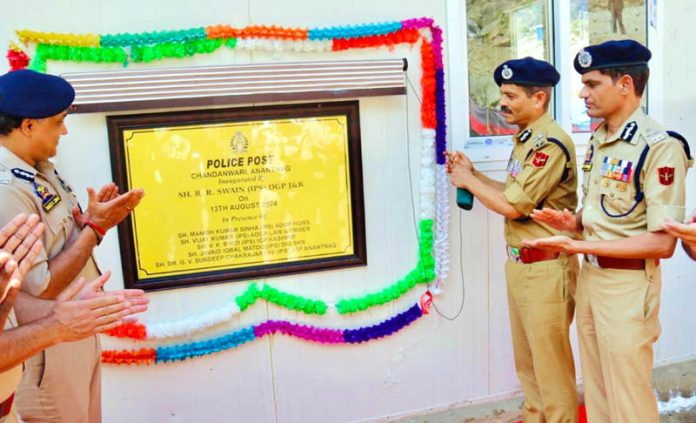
{"points": [[540, 285], [63, 382], [81, 310], [634, 174]]}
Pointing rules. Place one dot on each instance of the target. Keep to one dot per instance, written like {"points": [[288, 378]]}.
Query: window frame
{"points": [[497, 149]]}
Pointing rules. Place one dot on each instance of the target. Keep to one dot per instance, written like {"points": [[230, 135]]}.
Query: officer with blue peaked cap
{"points": [[634, 174], [33, 108], [527, 71], [28, 94], [541, 171], [611, 54]]}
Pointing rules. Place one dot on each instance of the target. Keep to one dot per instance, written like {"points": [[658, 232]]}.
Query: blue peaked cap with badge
{"points": [[611, 54], [527, 71], [28, 94]]}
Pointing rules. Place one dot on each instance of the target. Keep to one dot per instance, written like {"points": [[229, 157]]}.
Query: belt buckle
{"points": [[514, 254], [593, 259]]}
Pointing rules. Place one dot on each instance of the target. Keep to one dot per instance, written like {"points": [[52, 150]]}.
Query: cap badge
{"points": [[506, 73], [585, 58]]}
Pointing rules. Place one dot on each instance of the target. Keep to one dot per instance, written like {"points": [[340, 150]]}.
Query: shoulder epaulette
{"points": [[5, 176], [654, 136]]}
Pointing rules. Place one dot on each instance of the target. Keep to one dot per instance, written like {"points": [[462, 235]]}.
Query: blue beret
{"points": [[611, 54], [28, 94], [527, 71]]}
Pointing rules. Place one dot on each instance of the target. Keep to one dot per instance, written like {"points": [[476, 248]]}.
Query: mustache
{"points": [[505, 109]]}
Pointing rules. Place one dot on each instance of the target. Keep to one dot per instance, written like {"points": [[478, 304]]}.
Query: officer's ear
{"points": [[625, 84], [541, 98], [27, 126]]}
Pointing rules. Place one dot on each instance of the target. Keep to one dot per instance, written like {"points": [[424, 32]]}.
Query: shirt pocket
{"points": [[617, 199], [57, 231]]}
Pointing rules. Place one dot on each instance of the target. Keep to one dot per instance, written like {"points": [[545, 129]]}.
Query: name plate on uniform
{"points": [[239, 193]]}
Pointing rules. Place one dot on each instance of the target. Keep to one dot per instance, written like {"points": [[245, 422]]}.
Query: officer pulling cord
{"points": [[413, 209], [639, 192]]}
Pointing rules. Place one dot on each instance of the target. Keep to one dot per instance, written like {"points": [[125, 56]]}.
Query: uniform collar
{"points": [[46, 168], [629, 132], [536, 127], [11, 161]]}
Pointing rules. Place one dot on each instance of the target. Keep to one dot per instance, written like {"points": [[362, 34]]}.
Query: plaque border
{"points": [[117, 124]]}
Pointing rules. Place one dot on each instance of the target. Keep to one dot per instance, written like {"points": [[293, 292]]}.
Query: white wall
{"points": [[679, 109], [434, 363]]}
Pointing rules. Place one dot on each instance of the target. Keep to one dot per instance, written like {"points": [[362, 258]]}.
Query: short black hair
{"points": [[639, 74], [9, 123], [530, 90]]}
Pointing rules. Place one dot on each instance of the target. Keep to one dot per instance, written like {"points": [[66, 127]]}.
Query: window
{"points": [[499, 30], [596, 21], [492, 31]]}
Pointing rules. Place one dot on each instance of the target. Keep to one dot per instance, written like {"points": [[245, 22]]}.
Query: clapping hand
{"points": [[19, 246], [562, 220]]}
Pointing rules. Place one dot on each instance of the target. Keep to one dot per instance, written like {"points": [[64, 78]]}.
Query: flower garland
{"points": [[352, 31], [170, 50], [180, 352], [155, 37], [273, 45], [273, 295], [17, 59], [84, 40], [158, 45], [433, 262], [261, 31], [45, 52], [423, 273], [402, 36], [257, 31], [433, 55], [222, 31]]}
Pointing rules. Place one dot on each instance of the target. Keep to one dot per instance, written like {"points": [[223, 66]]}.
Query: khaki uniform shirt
{"points": [[612, 205], [10, 378], [535, 170], [40, 190]]}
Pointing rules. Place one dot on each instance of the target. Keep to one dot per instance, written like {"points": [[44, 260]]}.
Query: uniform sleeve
{"points": [[664, 182], [540, 175], [12, 203]]}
